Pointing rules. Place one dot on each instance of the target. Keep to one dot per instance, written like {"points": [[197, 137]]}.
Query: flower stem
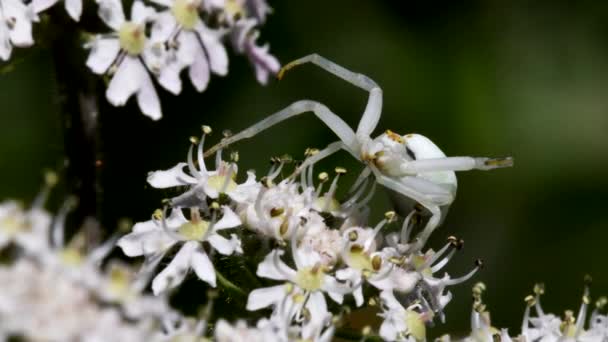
{"points": [[228, 285]]}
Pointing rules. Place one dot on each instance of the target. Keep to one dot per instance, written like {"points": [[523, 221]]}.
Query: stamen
{"points": [[582, 313], [323, 177], [58, 228], [405, 229], [372, 238], [294, 248], [367, 198], [195, 173], [227, 178], [218, 159], [329, 195], [50, 180], [355, 196], [276, 172], [200, 155], [362, 177], [437, 267], [539, 290], [451, 282], [434, 257], [309, 175]]}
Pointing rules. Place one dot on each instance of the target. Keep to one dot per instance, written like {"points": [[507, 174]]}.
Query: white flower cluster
{"points": [[157, 41], [544, 327], [325, 246], [56, 291]]}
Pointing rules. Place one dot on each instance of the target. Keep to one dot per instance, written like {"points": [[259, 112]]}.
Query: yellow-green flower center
{"points": [[132, 38], [322, 202], [234, 8], [310, 278], [119, 282], [11, 225], [71, 257], [217, 182], [415, 325], [418, 261], [186, 12], [358, 259], [194, 230]]}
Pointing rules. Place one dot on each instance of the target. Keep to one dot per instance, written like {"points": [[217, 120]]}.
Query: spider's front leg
{"points": [[454, 164], [334, 122], [373, 109]]}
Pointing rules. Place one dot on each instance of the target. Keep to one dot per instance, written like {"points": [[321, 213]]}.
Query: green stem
{"points": [[227, 284]]}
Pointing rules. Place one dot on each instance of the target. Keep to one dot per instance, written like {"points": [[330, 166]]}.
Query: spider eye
{"points": [[410, 153]]}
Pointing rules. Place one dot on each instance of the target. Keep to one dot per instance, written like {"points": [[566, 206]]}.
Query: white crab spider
{"points": [[411, 166]]}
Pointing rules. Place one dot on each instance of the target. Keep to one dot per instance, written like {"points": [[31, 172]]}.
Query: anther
{"points": [[479, 263], [274, 212], [588, 279], [353, 236], [390, 216], [601, 302], [340, 170], [366, 331], [226, 133], [166, 201], [539, 289], [309, 152], [215, 205], [158, 214], [193, 140], [376, 262], [50, 178], [206, 129], [372, 301], [586, 300], [530, 300], [323, 176], [234, 156]]}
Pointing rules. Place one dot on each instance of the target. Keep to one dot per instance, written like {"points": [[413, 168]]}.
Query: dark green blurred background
{"points": [[478, 78]]}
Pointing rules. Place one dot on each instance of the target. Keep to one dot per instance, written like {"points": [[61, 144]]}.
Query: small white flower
{"points": [[27, 229], [203, 183], [401, 324], [123, 54], [16, 20], [73, 7], [191, 43], [244, 38], [309, 281], [154, 238]]}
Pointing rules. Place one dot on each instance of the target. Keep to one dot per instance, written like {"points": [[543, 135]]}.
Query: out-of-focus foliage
{"points": [[479, 78]]}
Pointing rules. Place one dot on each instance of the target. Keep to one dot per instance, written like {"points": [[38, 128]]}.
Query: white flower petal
{"points": [[223, 245], [169, 77], [272, 267], [229, 219], [166, 3], [42, 5], [111, 12], [147, 98], [175, 176], [199, 71], [74, 8], [176, 271], [21, 32], [141, 13], [218, 58], [126, 81], [163, 26], [264, 297], [203, 267], [5, 44], [317, 307], [145, 243], [102, 55], [189, 48]]}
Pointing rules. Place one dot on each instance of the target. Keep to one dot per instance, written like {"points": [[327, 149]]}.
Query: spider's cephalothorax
{"points": [[411, 167]]}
